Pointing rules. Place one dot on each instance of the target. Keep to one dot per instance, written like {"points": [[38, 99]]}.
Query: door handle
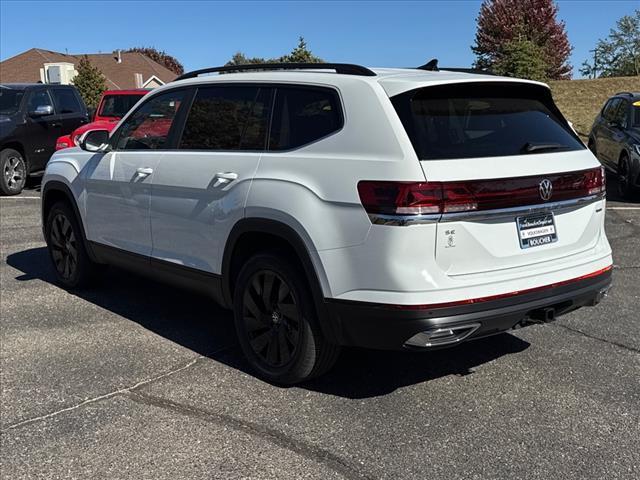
{"points": [[55, 124], [225, 177], [143, 172]]}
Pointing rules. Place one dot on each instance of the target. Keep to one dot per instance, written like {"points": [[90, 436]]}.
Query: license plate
{"points": [[536, 230]]}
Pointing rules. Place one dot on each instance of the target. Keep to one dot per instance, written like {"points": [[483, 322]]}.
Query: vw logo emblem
{"points": [[545, 189]]}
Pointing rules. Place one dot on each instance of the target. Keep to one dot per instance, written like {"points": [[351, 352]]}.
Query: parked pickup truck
{"points": [[112, 107], [32, 117]]}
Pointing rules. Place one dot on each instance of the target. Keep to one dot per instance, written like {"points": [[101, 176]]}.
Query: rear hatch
{"points": [[517, 187]]}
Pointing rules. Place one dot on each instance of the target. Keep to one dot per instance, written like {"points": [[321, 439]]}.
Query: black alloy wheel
{"points": [[272, 318], [64, 247]]}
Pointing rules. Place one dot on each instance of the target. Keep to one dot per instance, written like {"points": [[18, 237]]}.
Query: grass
{"points": [[581, 100]]}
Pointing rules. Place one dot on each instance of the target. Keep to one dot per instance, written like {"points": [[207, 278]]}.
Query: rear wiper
{"points": [[539, 147]]}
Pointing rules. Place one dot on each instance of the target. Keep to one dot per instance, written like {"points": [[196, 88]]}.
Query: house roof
{"points": [[25, 67]]}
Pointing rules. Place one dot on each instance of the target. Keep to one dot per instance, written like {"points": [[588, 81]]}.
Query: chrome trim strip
{"points": [[403, 220], [523, 210], [407, 220]]}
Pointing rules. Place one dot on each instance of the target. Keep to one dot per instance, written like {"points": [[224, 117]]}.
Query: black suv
{"points": [[32, 117], [615, 140]]}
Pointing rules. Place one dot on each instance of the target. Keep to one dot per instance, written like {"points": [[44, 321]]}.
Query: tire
{"points": [[13, 172], [63, 234], [626, 188], [276, 322]]}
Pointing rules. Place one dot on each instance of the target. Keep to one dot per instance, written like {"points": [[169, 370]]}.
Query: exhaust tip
{"points": [[442, 336]]}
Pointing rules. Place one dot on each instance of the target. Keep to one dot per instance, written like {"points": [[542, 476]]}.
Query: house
{"points": [[122, 70]]}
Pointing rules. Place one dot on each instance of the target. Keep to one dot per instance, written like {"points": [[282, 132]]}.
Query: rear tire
{"points": [[277, 324], [13, 172], [626, 188], [63, 234]]}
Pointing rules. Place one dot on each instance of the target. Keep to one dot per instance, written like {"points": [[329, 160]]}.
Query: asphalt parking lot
{"points": [[139, 380]]}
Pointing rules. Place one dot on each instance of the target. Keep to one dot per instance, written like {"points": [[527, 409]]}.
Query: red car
{"points": [[113, 105]]}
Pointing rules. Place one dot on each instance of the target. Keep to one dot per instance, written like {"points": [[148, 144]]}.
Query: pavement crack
{"points": [[593, 337], [301, 447], [106, 396]]}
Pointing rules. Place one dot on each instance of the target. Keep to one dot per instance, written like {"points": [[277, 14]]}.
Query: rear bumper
{"points": [[395, 327]]}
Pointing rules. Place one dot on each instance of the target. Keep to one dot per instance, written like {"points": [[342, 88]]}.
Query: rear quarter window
{"points": [[303, 115], [483, 120]]}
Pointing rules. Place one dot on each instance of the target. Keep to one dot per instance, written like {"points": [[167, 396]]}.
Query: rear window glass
{"points": [[303, 115], [66, 101], [483, 120], [228, 118], [117, 105]]}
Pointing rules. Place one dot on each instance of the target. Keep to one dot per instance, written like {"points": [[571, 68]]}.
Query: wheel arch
{"points": [[252, 235], [54, 191]]}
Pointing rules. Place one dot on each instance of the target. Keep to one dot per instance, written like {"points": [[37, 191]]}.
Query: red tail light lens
{"points": [[399, 198], [404, 198]]}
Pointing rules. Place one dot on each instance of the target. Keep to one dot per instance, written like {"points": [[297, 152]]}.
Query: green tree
{"points": [[618, 55], [300, 53], [90, 82], [161, 57], [523, 59]]}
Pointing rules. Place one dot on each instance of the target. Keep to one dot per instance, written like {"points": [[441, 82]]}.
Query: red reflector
{"points": [[405, 198], [471, 301]]}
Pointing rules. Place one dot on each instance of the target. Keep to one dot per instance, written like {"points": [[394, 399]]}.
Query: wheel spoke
{"points": [[285, 352], [283, 292], [267, 290], [289, 310], [258, 343], [251, 305], [272, 349], [255, 324]]}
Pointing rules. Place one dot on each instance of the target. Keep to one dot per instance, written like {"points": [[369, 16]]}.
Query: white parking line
{"points": [[18, 198], [623, 208]]}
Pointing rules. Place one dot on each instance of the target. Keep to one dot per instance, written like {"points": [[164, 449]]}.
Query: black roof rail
{"points": [[344, 68], [625, 93]]}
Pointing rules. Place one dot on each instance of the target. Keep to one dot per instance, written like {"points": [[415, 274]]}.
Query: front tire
{"points": [[13, 170], [277, 324], [73, 267]]}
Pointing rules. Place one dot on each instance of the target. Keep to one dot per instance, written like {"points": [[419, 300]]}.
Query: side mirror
{"points": [[42, 111], [614, 124], [95, 141]]}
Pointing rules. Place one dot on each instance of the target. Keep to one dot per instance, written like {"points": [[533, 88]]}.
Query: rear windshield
{"points": [[118, 105], [483, 120]]}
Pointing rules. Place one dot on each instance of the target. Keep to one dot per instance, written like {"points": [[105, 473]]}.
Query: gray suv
{"points": [[615, 140]]}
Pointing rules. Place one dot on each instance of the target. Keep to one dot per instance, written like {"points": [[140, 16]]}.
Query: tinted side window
{"points": [[620, 115], [66, 101], [37, 99], [610, 108], [149, 126], [228, 118], [303, 115]]}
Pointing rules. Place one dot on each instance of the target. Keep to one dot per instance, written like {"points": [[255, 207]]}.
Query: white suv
{"points": [[331, 205]]}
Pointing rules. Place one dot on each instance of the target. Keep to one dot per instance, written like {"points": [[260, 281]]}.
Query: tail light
{"points": [[427, 198]]}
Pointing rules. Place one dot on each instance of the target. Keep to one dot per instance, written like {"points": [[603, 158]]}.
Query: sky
{"points": [[207, 33]]}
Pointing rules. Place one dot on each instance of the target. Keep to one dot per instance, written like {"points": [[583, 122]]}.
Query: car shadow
{"points": [[198, 324]]}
